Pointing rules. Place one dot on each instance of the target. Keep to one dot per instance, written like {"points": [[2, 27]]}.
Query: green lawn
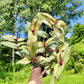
{"points": [[21, 77]]}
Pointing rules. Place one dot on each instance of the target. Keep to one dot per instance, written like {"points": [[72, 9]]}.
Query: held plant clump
{"points": [[51, 53]]}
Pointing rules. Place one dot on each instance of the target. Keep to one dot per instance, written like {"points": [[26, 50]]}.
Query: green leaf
{"points": [[28, 26], [24, 61], [61, 23], [9, 44], [59, 32], [21, 43], [32, 44], [66, 55], [40, 45], [45, 60], [40, 50], [9, 37], [49, 40], [55, 38], [42, 34], [57, 70], [52, 80], [17, 52], [64, 46], [40, 58], [36, 23], [46, 22], [52, 33], [47, 17], [21, 39], [24, 52], [52, 45]]}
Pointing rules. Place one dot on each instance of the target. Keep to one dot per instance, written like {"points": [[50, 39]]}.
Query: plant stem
{"points": [[19, 51]]}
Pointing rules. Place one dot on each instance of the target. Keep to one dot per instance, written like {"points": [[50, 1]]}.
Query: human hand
{"points": [[36, 75], [38, 70]]}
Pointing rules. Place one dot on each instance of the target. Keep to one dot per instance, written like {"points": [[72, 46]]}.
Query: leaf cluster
{"points": [[42, 53]]}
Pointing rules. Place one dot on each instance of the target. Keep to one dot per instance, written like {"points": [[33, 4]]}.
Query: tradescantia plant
{"points": [[52, 54]]}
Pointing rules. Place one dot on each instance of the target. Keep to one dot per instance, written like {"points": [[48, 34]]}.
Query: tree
{"points": [[27, 9], [77, 34]]}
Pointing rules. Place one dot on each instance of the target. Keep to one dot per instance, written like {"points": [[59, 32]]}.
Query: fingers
{"points": [[42, 73], [37, 69]]}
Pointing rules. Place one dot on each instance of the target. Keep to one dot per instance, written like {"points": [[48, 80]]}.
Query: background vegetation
{"points": [[14, 15]]}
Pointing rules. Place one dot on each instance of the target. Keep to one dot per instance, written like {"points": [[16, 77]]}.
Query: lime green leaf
{"points": [[24, 61], [9, 37], [9, 44], [42, 34]]}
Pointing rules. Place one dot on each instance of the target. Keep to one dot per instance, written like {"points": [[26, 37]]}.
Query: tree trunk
{"points": [[13, 55], [0, 41]]}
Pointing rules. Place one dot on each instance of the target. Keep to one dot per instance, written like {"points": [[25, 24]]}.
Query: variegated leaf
{"points": [[66, 55], [40, 45], [42, 34], [32, 44], [59, 32], [9, 37], [61, 23], [28, 26], [24, 61], [21, 39], [57, 70], [9, 44]]}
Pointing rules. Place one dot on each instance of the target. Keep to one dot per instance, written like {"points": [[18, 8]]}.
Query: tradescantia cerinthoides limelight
{"points": [[54, 51]]}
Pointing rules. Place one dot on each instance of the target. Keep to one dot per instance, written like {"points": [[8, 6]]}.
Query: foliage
{"points": [[76, 61], [22, 77], [77, 34], [5, 55], [27, 9], [53, 50]]}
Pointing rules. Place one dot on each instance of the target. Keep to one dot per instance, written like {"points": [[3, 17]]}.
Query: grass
{"points": [[66, 78], [21, 77]]}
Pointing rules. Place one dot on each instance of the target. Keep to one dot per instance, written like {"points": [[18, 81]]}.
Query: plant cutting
{"points": [[51, 53]]}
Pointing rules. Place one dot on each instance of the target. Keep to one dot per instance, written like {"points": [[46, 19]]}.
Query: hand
{"points": [[38, 70], [36, 76]]}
